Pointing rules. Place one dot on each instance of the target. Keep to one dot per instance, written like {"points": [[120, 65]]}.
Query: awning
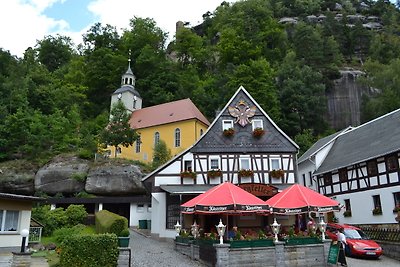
{"points": [[192, 189]]}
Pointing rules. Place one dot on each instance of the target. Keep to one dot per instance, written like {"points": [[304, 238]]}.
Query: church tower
{"points": [[127, 92]]}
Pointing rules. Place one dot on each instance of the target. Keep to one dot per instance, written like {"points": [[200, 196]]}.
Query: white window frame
{"points": [[186, 163], [138, 145], [227, 124], [177, 137], [4, 220], [156, 138], [271, 164], [256, 123], [140, 208], [243, 166], [213, 158]]}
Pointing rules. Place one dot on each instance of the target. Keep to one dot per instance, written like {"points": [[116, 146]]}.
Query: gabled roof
{"points": [[371, 140], [321, 143], [175, 111], [273, 141], [214, 130]]}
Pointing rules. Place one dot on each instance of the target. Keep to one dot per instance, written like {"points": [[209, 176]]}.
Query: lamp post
{"points": [[275, 229], [195, 229], [322, 227], [24, 234], [178, 228], [221, 231]]}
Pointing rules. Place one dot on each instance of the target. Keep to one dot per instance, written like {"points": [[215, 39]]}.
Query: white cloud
{"points": [[23, 24]]}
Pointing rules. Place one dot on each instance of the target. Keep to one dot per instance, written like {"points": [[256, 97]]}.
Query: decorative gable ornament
{"points": [[242, 112]]}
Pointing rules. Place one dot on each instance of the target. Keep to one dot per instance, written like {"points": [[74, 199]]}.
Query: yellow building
{"points": [[179, 123]]}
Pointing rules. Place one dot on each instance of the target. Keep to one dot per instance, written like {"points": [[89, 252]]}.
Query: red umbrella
{"points": [[298, 199], [224, 198]]}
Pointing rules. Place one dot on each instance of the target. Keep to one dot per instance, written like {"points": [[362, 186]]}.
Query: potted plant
{"points": [[123, 238], [258, 132], [245, 173], [214, 173], [347, 213], [188, 174], [229, 132], [277, 173], [377, 211]]}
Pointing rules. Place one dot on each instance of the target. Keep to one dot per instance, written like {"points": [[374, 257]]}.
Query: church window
{"points": [[156, 138], [177, 137], [138, 144]]}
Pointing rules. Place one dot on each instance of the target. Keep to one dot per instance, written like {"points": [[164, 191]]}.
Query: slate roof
{"points": [[125, 88], [273, 141], [373, 139], [320, 144], [180, 110]]}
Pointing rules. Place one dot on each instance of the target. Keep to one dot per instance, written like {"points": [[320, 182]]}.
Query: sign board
{"points": [[333, 252], [259, 190]]}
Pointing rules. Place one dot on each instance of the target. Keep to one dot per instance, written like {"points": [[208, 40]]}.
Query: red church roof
{"points": [[166, 113]]}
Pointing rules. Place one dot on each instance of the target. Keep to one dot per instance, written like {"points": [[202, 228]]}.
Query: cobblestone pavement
{"points": [[381, 262], [150, 252]]}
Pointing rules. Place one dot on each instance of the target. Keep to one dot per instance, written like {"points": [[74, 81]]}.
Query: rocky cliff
{"points": [[70, 175]]}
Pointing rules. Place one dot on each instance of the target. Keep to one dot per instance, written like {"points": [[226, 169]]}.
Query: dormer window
{"points": [[257, 124], [227, 124]]}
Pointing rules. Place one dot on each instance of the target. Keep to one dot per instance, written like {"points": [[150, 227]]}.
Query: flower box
{"points": [[277, 173], [245, 173], [123, 241], [293, 241], [184, 240], [229, 132], [377, 211], [258, 132], [206, 242], [347, 213], [214, 173], [396, 209], [188, 174]]}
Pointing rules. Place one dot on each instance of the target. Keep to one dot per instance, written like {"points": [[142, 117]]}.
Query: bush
{"points": [[124, 233], [76, 214], [108, 222], [64, 232], [89, 251]]}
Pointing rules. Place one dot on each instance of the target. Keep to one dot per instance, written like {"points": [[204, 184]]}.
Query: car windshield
{"points": [[355, 234]]}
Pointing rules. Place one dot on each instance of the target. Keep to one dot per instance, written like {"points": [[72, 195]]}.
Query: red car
{"points": [[358, 243]]}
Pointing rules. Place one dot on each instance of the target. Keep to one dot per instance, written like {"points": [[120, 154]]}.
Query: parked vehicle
{"points": [[358, 243]]}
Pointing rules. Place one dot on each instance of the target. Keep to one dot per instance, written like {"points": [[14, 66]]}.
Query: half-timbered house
{"points": [[360, 168], [242, 145]]}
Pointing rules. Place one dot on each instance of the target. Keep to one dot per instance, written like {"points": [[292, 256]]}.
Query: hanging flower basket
{"points": [[245, 173], [214, 173], [277, 173], [188, 174], [258, 132], [377, 211], [229, 132]]}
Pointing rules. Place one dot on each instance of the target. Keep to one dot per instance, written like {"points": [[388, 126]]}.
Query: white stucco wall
{"points": [[362, 205], [137, 213], [14, 239]]}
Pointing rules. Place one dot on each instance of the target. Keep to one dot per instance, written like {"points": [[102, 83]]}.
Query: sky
{"points": [[23, 22]]}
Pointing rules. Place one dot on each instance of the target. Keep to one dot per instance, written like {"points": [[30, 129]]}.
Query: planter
{"points": [[258, 132], [123, 242], [347, 213], [228, 132], [295, 241], [214, 174], [245, 173], [252, 243], [184, 240], [277, 173], [188, 174], [206, 242], [377, 211]]}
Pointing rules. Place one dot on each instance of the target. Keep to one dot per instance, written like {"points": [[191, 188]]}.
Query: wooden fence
{"points": [[392, 235]]}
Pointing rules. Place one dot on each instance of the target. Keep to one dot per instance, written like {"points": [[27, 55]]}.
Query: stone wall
{"points": [[124, 258], [278, 255], [390, 249]]}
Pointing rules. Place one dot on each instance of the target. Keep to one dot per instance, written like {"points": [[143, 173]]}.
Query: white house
{"points": [[242, 137], [360, 168], [15, 215]]}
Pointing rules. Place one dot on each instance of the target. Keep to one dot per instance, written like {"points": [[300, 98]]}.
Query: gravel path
{"points": [[150, 252]]}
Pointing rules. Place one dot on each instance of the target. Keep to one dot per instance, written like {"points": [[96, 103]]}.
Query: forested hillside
{"points": [[286, 53]]}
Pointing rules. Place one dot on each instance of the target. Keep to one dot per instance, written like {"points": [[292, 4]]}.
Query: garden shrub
{"points": [[76, 214], [89, 251], [108, 222], [61, 233]]}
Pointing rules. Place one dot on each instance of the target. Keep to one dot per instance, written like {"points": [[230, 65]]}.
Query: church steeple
{"points": [[128, 79]]}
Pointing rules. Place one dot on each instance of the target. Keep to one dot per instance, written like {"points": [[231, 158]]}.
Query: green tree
{"points": [[54, 52], [118, 131], [161, 154]]}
